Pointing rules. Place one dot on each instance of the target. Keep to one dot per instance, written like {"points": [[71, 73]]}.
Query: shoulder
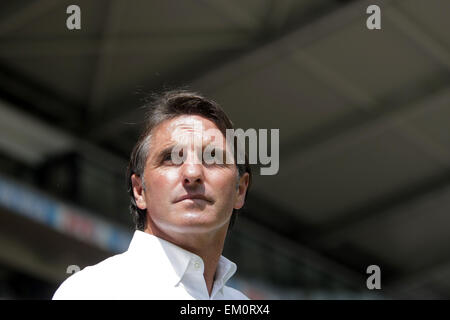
{"points": [[234, 294], [94, 282]]}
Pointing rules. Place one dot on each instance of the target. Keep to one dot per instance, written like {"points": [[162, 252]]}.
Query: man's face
{"points": [[189, 196]]}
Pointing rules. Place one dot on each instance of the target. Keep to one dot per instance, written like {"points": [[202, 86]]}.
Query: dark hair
{"points": [[166, 106]]}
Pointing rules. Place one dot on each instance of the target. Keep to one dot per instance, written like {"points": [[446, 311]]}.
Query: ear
{"points": [[241, 191], [138, 192]]}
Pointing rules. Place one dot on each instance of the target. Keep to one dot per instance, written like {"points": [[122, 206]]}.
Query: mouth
{"points": [[193, 197]]}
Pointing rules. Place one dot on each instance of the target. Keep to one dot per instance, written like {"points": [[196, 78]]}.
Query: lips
{"points": [[192, 197]]}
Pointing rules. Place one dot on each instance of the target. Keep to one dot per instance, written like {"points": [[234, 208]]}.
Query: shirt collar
{"points": [[179, 260]]}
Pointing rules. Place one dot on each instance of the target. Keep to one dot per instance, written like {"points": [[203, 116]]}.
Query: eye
{"points": [[214, 156], [168, 157]]}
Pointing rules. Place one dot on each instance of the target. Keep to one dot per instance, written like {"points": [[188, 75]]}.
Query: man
{"points": [[183, 205]]}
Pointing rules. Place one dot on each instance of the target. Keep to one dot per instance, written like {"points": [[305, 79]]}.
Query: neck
{"points": [[207, 246]]}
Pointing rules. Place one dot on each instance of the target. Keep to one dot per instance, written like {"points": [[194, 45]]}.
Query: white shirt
{"points": [[151, 268]]}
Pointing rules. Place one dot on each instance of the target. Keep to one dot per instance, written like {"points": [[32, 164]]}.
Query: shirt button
{"points": [[196, 265]]}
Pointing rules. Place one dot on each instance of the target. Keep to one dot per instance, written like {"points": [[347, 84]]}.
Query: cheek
{"points": [[224, 183], [159, 181]]}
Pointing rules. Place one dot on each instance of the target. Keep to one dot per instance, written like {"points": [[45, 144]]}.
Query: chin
{"points": [[199, 222]]}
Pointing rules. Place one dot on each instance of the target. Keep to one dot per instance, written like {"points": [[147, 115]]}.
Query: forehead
{"points": [[186, 127]]}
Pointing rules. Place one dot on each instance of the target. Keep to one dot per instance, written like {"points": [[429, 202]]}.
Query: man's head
{"points": [[191, 195]]}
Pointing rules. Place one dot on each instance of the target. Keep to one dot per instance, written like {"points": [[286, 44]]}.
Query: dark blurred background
{"points": [[363, 115]]}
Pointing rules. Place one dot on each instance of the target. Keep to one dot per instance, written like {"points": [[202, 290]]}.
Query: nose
{"points": [[192, 173]]}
